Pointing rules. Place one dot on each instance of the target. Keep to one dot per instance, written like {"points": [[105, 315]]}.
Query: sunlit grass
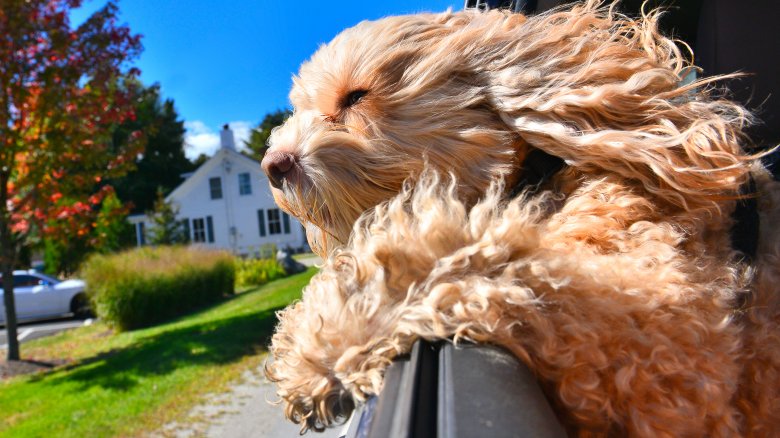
{"points": [[134, 382]]}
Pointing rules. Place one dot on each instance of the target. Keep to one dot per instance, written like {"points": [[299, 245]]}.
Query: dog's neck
{"points": [[539, 167]]}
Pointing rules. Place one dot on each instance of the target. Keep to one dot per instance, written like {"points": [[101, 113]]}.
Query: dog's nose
{"points": [[277, 165]]}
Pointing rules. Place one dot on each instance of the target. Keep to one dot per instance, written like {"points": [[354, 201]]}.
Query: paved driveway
{"points": [[29, 331], [244, 411], [311, 260]]}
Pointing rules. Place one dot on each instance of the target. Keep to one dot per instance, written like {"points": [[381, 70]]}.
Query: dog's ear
{"points": [[605, 93]]}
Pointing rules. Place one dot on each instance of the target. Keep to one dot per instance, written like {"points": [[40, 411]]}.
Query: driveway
{"points": [[29, 331], [244, 411], [310, 260]]}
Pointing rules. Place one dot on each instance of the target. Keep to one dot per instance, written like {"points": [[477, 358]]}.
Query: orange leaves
{"points": [[20, 227], [71, 87]]}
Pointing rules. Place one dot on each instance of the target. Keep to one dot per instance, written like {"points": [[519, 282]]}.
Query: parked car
{"points": [[39, 296]]}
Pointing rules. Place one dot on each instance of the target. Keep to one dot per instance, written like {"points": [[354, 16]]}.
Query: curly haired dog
{"points": [[615, 281]]}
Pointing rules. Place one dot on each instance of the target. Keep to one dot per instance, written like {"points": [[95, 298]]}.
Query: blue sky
{"points": [[231, 61]]}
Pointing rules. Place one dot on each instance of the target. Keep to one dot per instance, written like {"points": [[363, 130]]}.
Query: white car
{"points": [[39, 296]]}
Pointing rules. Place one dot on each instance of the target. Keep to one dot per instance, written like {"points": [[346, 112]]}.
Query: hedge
{"points": [[149, 285]]}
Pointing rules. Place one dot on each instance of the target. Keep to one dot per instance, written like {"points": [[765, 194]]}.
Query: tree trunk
{"points": [[9, 302], [8, 250]]}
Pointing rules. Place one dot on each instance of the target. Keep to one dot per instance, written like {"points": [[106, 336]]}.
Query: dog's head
{"points": [[371, 108], [470, 93]]}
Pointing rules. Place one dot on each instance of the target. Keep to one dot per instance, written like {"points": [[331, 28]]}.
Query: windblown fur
{"points": [[617, 284]]}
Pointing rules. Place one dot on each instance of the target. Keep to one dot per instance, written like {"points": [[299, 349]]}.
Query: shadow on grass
{"points": [[213, 342]]}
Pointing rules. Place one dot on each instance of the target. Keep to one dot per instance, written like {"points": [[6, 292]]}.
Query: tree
{"points": [[108, 232], [159, 165], [166, 229], [259, 138], [201, 160], [162, 161], [63, 91], [111, 230]]}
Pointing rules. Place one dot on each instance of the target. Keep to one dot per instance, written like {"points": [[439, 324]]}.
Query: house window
{"points": [[278, 222], [244, 184], [198, 230], [261, 222], [274, 221], [215, 185], [203, 230]]}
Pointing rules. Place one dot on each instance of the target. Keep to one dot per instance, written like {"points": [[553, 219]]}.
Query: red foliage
{"points": [[65, 90]]}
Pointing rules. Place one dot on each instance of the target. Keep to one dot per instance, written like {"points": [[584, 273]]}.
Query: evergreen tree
{"points": [[202, 158], [166, 229], [258, 139], [162, 161], [112, 232]]}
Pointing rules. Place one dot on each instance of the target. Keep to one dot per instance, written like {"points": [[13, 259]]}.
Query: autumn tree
{"points": [[157, 167], [109, 231], [258, 139], [63, 91]]}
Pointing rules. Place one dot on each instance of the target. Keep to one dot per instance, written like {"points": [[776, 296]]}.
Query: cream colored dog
{"points": [[615, 280]]}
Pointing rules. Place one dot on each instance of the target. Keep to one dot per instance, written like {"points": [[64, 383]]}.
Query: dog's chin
{"points": [[301, 201], [320, 241]]}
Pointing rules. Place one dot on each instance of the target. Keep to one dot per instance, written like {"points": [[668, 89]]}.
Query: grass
{"points": [[132, 383]]}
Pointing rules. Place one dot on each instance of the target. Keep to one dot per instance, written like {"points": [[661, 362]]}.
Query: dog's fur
{"points": [[617, 284]]}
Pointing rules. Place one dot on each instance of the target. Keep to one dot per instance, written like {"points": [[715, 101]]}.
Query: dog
{"points": [[549, 184]]}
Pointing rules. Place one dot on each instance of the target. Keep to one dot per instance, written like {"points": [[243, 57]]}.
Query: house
{"points": [[227, 204]]}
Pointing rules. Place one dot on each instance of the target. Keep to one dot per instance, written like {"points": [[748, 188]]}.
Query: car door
{"points": [[28, 305], [48, 299]]}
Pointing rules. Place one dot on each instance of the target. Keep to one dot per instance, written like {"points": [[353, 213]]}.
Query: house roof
{"points": [[205, 169]]}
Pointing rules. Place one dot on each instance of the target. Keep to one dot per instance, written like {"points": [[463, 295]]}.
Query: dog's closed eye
{"points": [[353, 98]]}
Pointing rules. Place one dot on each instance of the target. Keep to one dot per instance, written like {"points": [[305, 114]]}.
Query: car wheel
{"points": [[79, 305]]}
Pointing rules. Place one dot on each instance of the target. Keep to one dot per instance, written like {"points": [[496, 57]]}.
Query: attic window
{"points": [[215, 185]]}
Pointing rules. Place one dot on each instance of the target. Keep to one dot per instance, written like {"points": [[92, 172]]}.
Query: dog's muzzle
{"points": [[278, 166]]}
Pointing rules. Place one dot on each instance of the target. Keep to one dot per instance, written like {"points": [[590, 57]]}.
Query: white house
{"points": [[227, 204]]}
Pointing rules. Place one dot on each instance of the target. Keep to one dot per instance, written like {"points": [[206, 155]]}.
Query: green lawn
{"points": [[134, 382]]}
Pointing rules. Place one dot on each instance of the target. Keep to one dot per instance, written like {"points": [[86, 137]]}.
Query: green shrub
{"points": [[253, 272], [144, 286]]}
